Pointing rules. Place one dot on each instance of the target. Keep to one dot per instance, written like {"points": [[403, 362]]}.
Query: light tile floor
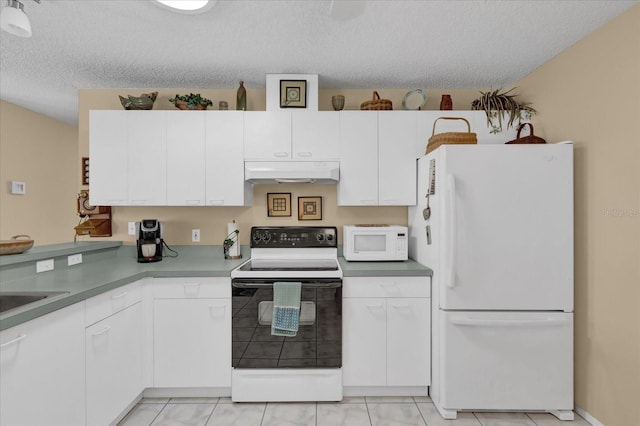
{"points": [[351, 411]]}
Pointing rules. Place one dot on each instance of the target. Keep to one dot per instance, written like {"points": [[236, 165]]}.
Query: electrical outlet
{"points": [[132, 228], [44, 266], [74, 259], [195, 235]]}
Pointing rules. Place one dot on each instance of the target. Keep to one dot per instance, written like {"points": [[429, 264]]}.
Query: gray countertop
{"points": [[108, 265]]}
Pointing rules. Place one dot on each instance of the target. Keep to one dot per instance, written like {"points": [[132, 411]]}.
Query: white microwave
{"points": [[375, 242]]}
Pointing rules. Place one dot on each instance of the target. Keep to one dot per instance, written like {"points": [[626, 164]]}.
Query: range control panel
{"points": [[294, 236]]}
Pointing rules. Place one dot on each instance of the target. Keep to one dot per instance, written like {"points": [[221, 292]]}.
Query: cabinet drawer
{"points": [[386, 287], [191, 288], [107, 304]]}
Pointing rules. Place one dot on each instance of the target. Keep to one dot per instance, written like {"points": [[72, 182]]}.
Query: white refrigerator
{"points": [[495, 223]]}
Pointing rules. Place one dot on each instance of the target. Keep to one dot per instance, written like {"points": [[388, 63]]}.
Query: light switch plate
{"points": [[132, 228], [44, 265], [17, 188], [195, 235]]}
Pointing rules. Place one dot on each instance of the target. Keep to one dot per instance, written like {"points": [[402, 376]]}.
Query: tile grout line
{"points": [[157, 415], [264, 412], [419, 410], [211, 414]]}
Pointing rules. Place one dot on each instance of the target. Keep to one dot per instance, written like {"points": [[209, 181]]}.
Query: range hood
{"points": [[269, 172]]}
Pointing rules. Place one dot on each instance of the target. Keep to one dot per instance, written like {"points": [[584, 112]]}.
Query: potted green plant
{"points": [[497, 104], [191, 101]]}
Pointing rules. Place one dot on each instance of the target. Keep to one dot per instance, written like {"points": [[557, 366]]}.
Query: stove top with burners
{"points": [[292, 252]]}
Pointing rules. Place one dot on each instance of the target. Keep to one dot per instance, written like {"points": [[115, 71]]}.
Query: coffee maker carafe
{"points": [[149, 240]]}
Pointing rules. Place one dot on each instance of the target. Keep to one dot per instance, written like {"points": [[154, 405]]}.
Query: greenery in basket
{"points": [[496, 104], [192, 100]]}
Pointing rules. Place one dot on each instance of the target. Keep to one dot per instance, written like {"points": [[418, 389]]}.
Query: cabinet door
{"points": [[185, 158], [315, 135], [192, 343], [42, 372], [114, 364], [408, 342], [267, 135], [225, 185], [108, 153], [358, 184], [364, 347], [147, 149], [396, 158]]}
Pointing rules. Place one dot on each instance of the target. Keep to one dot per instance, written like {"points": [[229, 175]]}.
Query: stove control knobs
{"points": [[266, 237], [257, 237], [329, 237], [320, 237]]}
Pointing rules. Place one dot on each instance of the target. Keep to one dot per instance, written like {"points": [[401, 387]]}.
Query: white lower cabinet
{"points": [[192, 332], [386, 331], [114, 364], [42, 371]]}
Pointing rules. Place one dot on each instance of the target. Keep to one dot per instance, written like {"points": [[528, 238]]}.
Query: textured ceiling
{"points": [[80, 44]]}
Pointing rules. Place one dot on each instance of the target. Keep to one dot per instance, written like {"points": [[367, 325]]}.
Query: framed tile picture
{"points": [[309, 208], [275, 95], [293, 93], [278, 204]]}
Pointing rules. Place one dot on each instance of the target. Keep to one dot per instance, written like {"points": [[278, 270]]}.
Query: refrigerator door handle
{"points": [[453, 233], [484, 322]]}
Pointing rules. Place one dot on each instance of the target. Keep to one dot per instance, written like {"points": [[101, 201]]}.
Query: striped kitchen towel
{"points": [[286, 308]]}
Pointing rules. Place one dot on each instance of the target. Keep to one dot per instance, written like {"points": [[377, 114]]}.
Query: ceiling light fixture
{"points": [[187, 6], [13, 19]]}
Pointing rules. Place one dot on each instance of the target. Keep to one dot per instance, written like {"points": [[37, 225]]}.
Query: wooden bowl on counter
{"points": [[16, 245]]}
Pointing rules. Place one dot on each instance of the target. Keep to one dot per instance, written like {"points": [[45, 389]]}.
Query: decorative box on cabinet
{"points": [[386, 341], [42, 373]]}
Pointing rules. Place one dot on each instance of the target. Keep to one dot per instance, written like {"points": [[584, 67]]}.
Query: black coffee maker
{"points": [[149, 240]]}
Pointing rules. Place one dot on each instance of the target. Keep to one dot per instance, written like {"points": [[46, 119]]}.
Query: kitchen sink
{"points": [[16, 299]]}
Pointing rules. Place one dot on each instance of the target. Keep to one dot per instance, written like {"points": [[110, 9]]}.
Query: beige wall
{"points": [[212, 220], [590, 94], [43, 153]]}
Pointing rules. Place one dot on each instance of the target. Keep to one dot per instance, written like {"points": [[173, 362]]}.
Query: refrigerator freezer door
{"points": [[507, 361], [507, 222]]}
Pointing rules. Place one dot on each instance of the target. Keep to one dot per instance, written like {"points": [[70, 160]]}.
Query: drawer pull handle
{"points": [[404, 306], [103, 331], [16, 340], [376, 306], [220, 310], [119, 296]]}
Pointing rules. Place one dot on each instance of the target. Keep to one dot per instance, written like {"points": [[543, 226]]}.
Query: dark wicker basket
{"points": [[526, 139]]}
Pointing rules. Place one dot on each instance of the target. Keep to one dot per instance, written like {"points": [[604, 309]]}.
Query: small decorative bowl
{"points": [[142, 102]]}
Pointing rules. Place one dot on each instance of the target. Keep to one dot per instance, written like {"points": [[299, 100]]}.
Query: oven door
{"points": [[318, 342]]}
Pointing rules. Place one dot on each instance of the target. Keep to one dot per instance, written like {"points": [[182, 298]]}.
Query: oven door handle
{"points": [[333, 284]]}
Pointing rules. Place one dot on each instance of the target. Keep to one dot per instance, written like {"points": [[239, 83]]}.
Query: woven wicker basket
{"points": [[376, 104], [450, 138], [526, 139]]}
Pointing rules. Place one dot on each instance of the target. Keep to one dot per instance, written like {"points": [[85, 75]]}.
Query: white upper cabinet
{"points": [[267, 135], [147, 158], [128, 158], [108, 152], [315, 135], [358, 158], [396, 161], [377, 162], [225, 185], [185, 158], [291, 135]]}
